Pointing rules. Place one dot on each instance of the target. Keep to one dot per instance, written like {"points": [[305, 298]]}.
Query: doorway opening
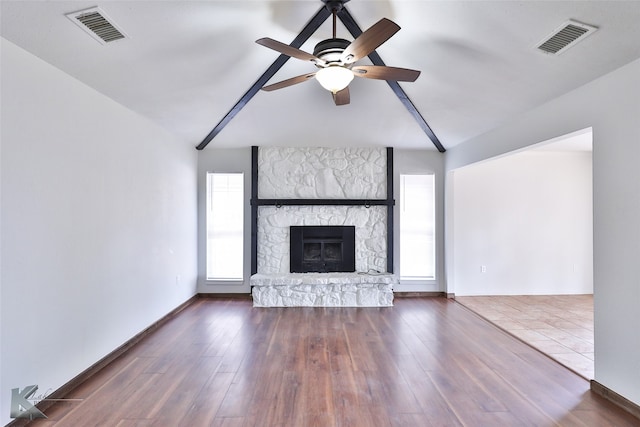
{"points": [[523, 231]]}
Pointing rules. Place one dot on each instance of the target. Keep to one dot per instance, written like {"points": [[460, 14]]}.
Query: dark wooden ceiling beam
{"points": [[304, 35], [355, 31]]}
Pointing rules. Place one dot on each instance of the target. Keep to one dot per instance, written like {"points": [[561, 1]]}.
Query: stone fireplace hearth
{"points": [[323, 290]]}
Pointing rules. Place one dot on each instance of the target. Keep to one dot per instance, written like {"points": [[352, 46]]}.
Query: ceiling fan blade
{"points": [[342, 97], [385, 73], [289, 50], [368, 41], [289, 82]]}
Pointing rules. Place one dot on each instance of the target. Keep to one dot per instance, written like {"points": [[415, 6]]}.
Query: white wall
{"points": [[421, 162], [611, 106], [230, 160], [527, 218], [98, 225]]}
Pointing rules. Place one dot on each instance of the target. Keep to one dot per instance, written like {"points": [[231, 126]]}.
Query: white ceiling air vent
{"points": [[97, 24], [565, 36]]}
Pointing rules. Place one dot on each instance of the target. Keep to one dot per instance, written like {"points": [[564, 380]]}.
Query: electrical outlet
{"points": [[483, 269]]}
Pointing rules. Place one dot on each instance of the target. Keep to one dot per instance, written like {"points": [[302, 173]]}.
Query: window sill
{"points": [[418, 281], [224, 281]]}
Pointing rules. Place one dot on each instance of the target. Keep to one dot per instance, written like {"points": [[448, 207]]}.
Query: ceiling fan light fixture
{"points": [[334, 78]]}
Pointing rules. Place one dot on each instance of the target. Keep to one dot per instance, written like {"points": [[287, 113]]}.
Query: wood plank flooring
{"points": [[424, 362]]}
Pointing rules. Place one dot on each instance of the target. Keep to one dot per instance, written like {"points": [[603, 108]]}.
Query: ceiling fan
{"points": [[335, 59]]}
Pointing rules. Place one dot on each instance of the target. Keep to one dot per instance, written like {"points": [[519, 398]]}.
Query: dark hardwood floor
{"points": [[423, 362]]}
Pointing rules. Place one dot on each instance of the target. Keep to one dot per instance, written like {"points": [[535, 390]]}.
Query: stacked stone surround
{"points": [[321, 173], [273, 233]]}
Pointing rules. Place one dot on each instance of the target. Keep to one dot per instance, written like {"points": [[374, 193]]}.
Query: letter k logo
{"points": [[21, 407]]}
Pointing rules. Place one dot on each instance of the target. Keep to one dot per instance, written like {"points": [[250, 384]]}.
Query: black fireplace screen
{"points": [[322, 248]]}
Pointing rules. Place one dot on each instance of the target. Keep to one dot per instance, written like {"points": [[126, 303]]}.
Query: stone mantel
{"points": [[323, 290]]}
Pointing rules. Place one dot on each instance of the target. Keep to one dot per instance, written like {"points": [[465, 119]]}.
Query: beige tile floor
{"points": [[560, 326]]}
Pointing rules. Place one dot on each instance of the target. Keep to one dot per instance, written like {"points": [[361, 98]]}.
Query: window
{"points": [[225, 221], [417, 227]]}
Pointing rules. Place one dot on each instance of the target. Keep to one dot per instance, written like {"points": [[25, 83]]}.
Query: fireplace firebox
{"points": [[322, 249]]}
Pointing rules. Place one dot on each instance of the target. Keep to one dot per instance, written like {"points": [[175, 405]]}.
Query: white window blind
{"points": [[225, 226], [417, 227]]}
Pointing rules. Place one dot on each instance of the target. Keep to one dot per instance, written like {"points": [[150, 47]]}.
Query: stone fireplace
{"points": [[301, 197]]}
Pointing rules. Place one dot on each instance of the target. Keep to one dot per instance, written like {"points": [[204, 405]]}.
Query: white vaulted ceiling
{"points": [[185, 64]]}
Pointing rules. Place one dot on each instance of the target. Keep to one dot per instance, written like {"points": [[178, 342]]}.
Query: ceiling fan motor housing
{"points": [[330, 50], [334, 4]]}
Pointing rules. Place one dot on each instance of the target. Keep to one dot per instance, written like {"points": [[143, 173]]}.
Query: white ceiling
{"points": [[185, 64]]}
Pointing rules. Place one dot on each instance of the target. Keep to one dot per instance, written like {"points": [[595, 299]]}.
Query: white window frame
{"points": [[224, 243], [417, 238]]}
